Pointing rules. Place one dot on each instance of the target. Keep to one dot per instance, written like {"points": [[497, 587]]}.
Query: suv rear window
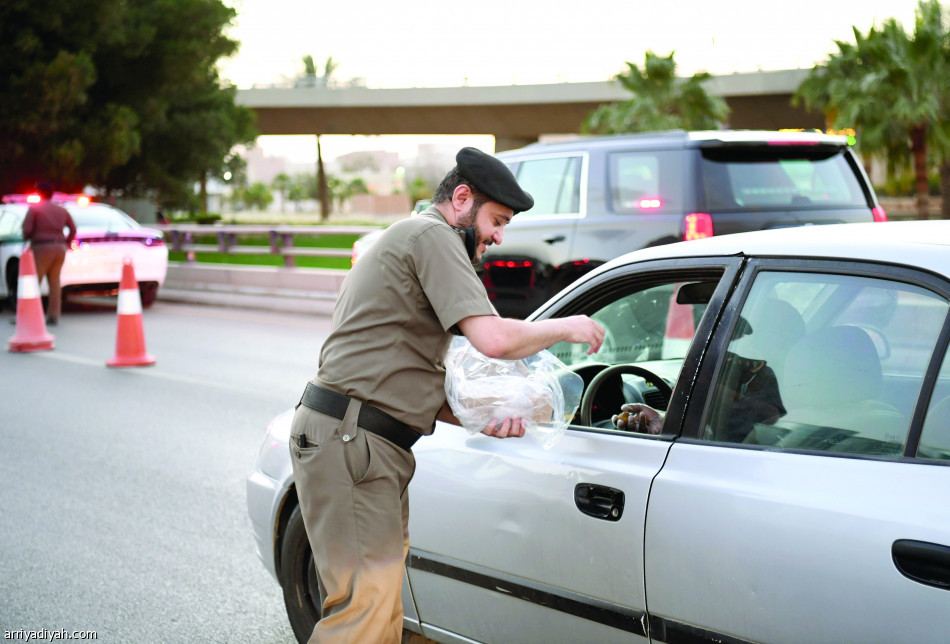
{"points": [[778, 177]]}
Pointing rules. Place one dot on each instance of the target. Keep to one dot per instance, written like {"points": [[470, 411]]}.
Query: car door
{"points": [[11, 246], [512, 542], [793, 508]]}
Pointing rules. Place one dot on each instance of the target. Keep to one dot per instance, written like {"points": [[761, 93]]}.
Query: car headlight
{"points": [[273, 456]]}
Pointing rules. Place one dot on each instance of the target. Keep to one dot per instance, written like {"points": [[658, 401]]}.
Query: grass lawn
{"points": [[266, 258]]}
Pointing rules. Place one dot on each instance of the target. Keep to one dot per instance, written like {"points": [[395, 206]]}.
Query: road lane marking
{"points": [[153, 373]]}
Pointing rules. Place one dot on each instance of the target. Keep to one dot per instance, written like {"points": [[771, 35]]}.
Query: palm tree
{"points": [[660, 101], [891, 88], [310, 73], [328, 68], [323, 191], [281, 183]]}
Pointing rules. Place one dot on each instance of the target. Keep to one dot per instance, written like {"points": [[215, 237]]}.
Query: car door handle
{"points": [[599, 501], [923, 562], [554, 239]]}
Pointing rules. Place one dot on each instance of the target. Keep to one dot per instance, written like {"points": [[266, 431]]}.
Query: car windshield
{"points": [[101, 217]]}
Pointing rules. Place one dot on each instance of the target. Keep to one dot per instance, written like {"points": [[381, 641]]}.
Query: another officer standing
{"points": [[43, 227], [380, 387]]}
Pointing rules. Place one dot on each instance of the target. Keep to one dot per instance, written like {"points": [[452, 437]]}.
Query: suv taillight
{"points": [[878, 213], [697, 225]]}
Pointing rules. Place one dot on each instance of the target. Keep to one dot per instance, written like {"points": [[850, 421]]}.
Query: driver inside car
{"points": [[750, 395], [748, 389]]}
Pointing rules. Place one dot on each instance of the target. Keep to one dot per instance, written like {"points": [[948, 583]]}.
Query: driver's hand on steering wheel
{"points": [[634, 417]]}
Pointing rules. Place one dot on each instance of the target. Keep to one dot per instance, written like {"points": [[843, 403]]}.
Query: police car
{"points": [[105, 237]]}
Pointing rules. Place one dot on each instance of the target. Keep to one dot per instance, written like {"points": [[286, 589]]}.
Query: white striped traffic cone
{"points": [[30, 334], [130, 336]]}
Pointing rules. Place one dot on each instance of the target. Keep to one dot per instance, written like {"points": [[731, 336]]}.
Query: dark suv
{"points": [[597, 198]]}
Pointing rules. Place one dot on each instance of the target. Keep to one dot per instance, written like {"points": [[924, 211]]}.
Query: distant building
{"points": [[432, 162], [263, 168]]}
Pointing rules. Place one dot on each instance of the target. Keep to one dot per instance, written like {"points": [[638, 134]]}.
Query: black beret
{"points": [[493, 178]]}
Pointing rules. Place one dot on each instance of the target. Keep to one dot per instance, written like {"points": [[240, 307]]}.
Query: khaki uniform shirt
{"points": [[393, 321], [45, 221]]}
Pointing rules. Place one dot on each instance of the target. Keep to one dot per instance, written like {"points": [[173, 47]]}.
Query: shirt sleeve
{"points": [[447, 276], [72, 229]]}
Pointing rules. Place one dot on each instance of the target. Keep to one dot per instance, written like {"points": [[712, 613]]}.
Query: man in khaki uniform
{"points": [[43, 227], [380, 386]]}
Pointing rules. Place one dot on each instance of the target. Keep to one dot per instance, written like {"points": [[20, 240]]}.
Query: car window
{"points": [[645, 182], [647, 328], [11, 225], [935, 439], [553, 182], [800, 177], [825, 362]]}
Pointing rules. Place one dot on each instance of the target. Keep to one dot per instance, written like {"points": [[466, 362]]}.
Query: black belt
{"points": [[371, 419]]}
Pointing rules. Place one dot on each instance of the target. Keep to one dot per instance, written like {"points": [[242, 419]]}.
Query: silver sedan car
{"points": [[796, 492]]}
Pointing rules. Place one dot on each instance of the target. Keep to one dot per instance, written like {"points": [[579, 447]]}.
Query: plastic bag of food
{"points": [[540, 389]]}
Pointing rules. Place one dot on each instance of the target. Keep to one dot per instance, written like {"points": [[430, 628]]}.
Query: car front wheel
{"points": [[298, 578]]}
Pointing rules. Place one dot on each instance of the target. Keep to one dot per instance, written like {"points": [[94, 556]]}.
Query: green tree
{"points": [[343, 190], [281, 183], [312, 79], [419, 189], [119, 95], [302, 187], [892, 89], [257, 196], [659, 102]]}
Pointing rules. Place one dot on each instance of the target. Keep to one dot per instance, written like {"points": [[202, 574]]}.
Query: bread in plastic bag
{"points": [[539, 389]]}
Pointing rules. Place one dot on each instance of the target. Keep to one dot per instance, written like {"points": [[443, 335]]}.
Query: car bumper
{"points": [[268, 486], [264, 498], [89, 264]]}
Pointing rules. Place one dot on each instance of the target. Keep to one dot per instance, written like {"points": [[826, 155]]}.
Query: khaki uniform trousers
{"points": [[352, 489], [49, 263]]}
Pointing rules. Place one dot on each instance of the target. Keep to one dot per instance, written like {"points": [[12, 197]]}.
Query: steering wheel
{"points": [[614, 373]]}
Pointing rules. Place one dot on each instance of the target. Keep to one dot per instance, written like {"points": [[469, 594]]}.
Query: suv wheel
{"points": [[298, 578]]}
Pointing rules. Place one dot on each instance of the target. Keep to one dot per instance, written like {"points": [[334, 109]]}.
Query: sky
{"points": [[424, 43]]}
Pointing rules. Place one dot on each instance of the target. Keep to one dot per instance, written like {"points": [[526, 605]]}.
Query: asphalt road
{"points": [[122, 508]]}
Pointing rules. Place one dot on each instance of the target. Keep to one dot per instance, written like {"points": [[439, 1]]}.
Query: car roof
{"points": [[71, 206], [680, 139], [923, 244]]}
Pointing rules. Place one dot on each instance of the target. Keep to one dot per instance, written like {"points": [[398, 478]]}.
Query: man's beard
{"points": [[470, 220]]}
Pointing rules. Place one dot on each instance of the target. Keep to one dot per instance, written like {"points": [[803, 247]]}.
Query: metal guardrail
{"points": [[181, 238]]}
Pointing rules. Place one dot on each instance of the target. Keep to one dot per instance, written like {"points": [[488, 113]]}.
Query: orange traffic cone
{"points": [[680, 329], [30, 334], [130, 337]]}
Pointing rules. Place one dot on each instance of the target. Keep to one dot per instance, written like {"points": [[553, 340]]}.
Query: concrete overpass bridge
{"points": [[514, 114]]}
